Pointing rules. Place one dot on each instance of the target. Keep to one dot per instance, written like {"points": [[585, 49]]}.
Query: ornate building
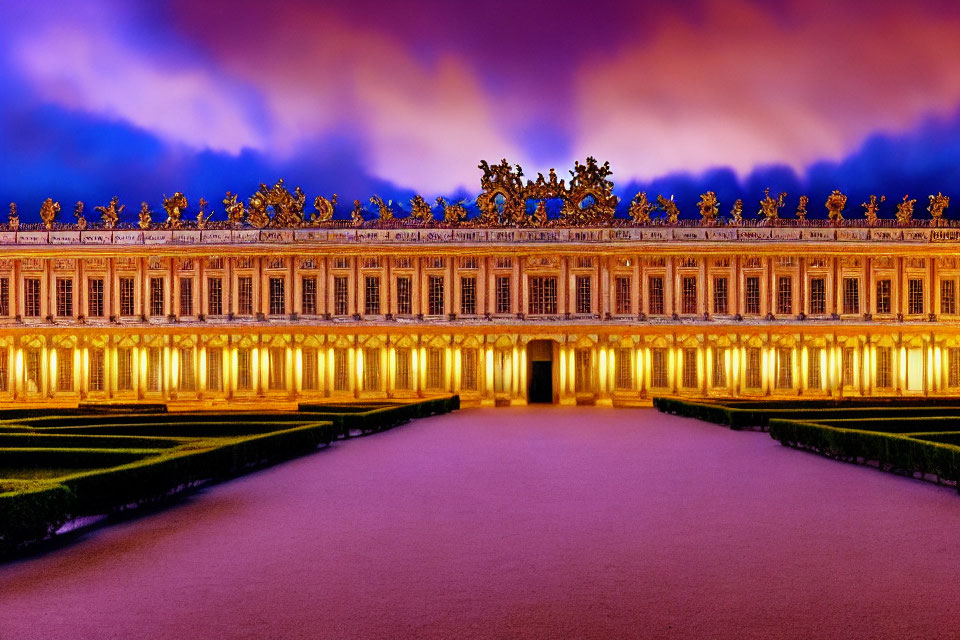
{"points": [[508, 308]]}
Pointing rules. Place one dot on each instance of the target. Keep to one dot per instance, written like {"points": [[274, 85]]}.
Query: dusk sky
{"points": [[142, 98]]}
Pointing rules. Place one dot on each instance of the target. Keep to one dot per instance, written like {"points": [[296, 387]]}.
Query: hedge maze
{"points": [[59, 466], [914, 437]]}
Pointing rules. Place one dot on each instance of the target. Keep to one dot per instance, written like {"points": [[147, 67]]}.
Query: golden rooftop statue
{"points": [[708, 208], [640, 209], [111, 213], [736, 214], [938, 203], [802, 208], [870, 209], [78, 214], [420, 210], [384, 209], [48, 212], [323, 209], [770, 208], [905, 211], [146, 216], [836, 203], [174, 206], [671, 212]]}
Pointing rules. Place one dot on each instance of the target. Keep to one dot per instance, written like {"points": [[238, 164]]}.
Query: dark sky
{"points": [[145, 98]]}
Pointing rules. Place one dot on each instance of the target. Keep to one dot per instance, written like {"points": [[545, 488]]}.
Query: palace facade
{"points": [[605, 315]]}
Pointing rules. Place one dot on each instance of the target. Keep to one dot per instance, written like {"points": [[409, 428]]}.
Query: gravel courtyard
{"points": [[529, 522]]}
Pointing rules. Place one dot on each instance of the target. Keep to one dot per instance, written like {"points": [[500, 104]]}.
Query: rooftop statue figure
{"points": [[670, 211], [770, 208], [110, 214], [836, 203], [202, 217], [384, 209], [174, 206], [78, 214], [905, 211], [235, 210], [938, 203], [540, 214], [420, 210], [257, 214], [146, 216], [453, 214], [640, 209], [48, 212], [13, 218], [323, 209], [870, 209], [357, 215], [802, 208], [736, 214], [708, 208]]}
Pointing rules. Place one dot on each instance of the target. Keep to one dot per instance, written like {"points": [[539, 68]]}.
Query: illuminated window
{"points": [[308, 296], [371, 295], [373, 262], [718, 376], [186, 297], [468, 369], [688, 301], [623, 288], [127, 306], [215, 296], [813, 368], [884, 290], [244, 370], [277, 369], [341, 369], [656, 296], [156, 296], [784, 368], [583, 372], [785, 295], [915, 296], [309, 380], [435, 296], [95, 297], [404, 296], [4, 296], [341, 262], [434, 368], [948, 297], [245, 296], [503, 294], [154, 369], [96, 370], [884, 368], [469, 263], [584, 262], [65, 297], [659, 375], [752, 378], [4, 371], [278, 301], [953, 367], [403, 263], [371, 369], [64, 369], [341, 296], [31, 369], [584, 295], [503, 262], [689, 378], [124, 369], [818, 296], [720, 296], [31, 297], [543, 295], [436, 262], [468, 296], [215, 369], [846, 366], [188, 372], [752, 295], [402, 378], [851, 295], [624, 377]]}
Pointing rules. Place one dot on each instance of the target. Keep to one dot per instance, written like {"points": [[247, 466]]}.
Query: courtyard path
{"points": [[518, 523]]}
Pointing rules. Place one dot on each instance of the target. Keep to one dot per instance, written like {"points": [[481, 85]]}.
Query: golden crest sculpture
{"points": [[420, 210], [640, 209], [770, 207], [323, 209], [384, 209], [110, 214], [836, 203], [235, 209], [708, 208], [871, 208], [174, 206], [905, 211], [671, 213], [48, 213], [453, 214], [938, 204]]}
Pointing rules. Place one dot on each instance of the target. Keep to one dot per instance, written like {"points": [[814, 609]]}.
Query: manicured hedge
{"points": [[43, 439], [897, 424], [889, 451], [381, 418]]}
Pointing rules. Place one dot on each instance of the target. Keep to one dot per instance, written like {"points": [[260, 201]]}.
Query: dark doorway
{"points": [[540, 385]]}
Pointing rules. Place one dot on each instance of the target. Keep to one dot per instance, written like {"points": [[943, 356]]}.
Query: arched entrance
{"points": [[540, 371]]}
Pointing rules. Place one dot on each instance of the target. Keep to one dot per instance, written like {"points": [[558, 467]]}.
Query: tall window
{"points": [[948, 297], [753, 376], [884, 289], [784, 368], [64, 369], [503, 294], [846, 366], [127, 306], [468, 296], [953, 367], [851, 295], [543, 295], [308, 296], [915, 296], [624, 376], [371, 368], [818, 296], [884, 368], [434, 368], [659, 375], [4, 371], [785, 295], [188, 371], [310, 380], [278, 301], [31, 297], [4, 296], [277, 369], [404, 296], [752, 296], [341, 369], [584, 295], [689, 378], [65, 297], [813, 368], [125, 369], [402, 377], [186, 297], [688, 301], [371, 295], [156, 296], [215, 369], [719, 371], [95, 371], [245, 295], [31, 367], [656, 296], [468, 369], [341, 296], [720, 306], [215, 296], [435, 296], [583, 372], [154, 369], [623, 289], [244, 370]]}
